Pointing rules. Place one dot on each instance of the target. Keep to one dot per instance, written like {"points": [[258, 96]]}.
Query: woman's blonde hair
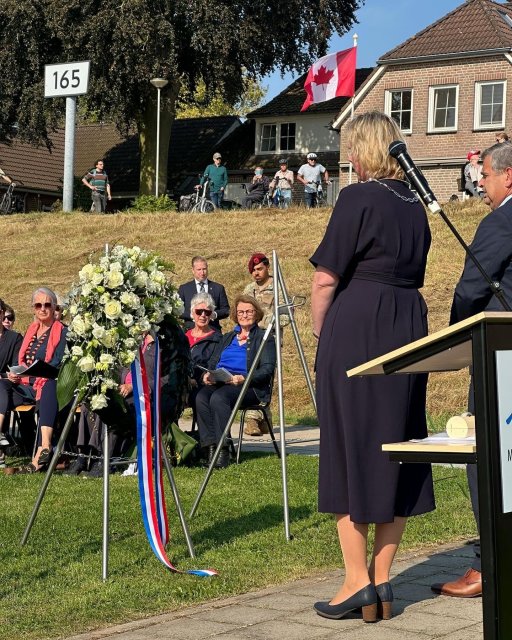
{"points": [[368, 138]]}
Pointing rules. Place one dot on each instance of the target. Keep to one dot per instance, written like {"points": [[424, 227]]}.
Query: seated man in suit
{"points": [[201, 284]]}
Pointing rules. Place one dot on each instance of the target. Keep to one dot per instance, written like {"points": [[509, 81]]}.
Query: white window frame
{"points": [[431, 115], [478, 105], [278, 149], [387, 104], [288, 137]]}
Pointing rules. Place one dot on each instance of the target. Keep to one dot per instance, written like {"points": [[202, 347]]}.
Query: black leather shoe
{"points": [[385, 598], [223, 459], [365, 599], [211, 450], [44, 457]]}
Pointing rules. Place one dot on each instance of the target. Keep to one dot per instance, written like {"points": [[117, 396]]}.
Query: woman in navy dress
{"points": [[365, 302]]}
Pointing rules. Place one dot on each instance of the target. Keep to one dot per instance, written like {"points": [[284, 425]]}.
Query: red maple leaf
{"points": [[322, 76]]}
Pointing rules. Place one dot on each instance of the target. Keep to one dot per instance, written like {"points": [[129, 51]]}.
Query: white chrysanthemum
{"points": [[140, 278], [127, 319], [72, 310], [130, 343], [86, 364], [77, 351], [98, 401], [86, 290]]}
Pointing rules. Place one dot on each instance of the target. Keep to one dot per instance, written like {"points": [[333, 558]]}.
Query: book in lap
{"points": [[218, 375], [38, 369]]}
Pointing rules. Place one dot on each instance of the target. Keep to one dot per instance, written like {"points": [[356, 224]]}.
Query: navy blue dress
{"points": [[377, 243]]}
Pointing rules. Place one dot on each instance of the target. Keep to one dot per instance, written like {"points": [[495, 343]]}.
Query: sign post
{"points": [[67, 80]]}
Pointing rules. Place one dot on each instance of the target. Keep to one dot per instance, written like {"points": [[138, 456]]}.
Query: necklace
{"points": [[413, 199]]}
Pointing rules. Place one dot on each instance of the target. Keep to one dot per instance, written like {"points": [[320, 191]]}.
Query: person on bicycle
{"points": [[4, 176], [256, 190], [282, 182], [310, 175], [218, 177], [97, 181]]}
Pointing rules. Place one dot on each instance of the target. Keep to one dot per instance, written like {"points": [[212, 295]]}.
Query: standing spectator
{"points": [[310, 175], [473, 174], [97, 181], [256, 190], [201, 284], [218, 177], [9, 317], [282, 182], [4, 176], [501, 137]]}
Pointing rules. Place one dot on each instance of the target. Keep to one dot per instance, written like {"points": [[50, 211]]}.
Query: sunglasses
{"points": [[42, 305], [199, 312], [10, 318]]}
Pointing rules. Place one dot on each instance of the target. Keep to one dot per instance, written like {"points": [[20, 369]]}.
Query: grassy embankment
{"points": [[52, 587]]}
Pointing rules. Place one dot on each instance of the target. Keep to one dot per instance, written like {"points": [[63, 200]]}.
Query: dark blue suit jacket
{"points": [[188, 290], [492, 246]]}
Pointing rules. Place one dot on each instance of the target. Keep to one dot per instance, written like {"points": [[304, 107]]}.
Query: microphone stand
{"points": [[398, 150]]}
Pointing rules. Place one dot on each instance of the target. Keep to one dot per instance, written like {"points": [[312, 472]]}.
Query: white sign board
{"points": [[66, 79], [504, 381]]}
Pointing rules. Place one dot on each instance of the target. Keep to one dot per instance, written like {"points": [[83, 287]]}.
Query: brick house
{"points": [[447, 87]]}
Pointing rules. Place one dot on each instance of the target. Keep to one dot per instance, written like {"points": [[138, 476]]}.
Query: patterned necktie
{"points": [[201, 287]]}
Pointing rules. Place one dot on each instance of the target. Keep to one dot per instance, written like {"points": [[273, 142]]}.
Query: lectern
{"points": [[483, 341]]}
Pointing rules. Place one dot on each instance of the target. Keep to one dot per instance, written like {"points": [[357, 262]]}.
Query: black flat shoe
{"points": [[385, 599], [223, 459], [44, 457], [365, 599]]}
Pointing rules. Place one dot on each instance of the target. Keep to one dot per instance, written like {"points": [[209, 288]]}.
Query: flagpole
{"points": [[354, 37]]}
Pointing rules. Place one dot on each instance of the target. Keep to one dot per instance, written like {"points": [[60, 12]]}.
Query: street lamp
{"points": [[159, 83]]}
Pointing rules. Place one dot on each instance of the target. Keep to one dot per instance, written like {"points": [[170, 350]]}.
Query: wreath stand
{"points": [[106, 488], [286, 306]]}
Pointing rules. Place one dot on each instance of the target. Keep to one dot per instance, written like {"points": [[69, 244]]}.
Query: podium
{"points": [[483, 341]]}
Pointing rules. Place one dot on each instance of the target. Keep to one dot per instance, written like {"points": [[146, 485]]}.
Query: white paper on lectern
{"points": [[504, 384]]}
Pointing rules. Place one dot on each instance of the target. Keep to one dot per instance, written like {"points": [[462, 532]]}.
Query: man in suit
{"points": [[200, 284], [492, 246]]}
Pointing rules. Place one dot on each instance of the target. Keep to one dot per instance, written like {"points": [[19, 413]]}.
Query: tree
{"points": [[220, 44]]}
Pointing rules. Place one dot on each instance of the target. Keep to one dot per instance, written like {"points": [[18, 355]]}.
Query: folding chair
{"points": [[264, 407]]}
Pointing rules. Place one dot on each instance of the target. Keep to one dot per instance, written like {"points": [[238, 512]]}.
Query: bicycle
{"points": [[201, 203], [278, 198], [8, 203], [321, 196]]}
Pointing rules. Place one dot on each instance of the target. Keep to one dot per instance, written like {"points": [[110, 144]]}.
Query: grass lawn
{"points": [[52, 587]]}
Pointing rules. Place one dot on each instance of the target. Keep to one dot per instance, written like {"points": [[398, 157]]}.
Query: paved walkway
{"points": [[286, 613]]}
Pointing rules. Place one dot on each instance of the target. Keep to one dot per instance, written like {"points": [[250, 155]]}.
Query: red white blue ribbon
{"points": [[149, 455]]}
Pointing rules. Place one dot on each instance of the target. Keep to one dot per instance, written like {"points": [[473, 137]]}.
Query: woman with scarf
{"points": [[45, 340]]}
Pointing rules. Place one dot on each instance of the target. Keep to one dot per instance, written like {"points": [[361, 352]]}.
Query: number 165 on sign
{"points": [[66, 79]]}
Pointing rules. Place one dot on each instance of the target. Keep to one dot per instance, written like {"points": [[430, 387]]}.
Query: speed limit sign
{"points": [[66, 79]]}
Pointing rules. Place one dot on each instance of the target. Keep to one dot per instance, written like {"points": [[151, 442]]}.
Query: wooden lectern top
{"points": [[445, 350]]}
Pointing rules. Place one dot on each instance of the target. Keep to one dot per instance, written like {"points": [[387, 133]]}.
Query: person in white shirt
{"points": [[310, 175]]}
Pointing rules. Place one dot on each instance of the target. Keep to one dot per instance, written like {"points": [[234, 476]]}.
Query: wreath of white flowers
{"points": [[113, 306]]}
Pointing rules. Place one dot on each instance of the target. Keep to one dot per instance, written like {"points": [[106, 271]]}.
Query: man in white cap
{"points": [[218, 177]]}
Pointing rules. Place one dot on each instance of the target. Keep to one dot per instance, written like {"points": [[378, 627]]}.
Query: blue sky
{"points": [[383, 24]]}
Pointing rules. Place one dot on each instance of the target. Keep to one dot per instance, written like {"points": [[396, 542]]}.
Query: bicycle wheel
{"points": [[5, 205], [207, 206]]}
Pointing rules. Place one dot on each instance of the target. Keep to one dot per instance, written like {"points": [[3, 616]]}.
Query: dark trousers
{"points": [[249, 200], [14, 395], [310, 199], [213, 408], [472, 474]]}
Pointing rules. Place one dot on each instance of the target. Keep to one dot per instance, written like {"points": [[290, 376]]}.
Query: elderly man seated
{"points": [[256, 190]]}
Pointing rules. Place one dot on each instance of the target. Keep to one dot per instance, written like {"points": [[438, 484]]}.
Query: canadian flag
{"points": [[331, 76]]}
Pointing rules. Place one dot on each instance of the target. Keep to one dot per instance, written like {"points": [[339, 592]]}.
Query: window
{"points": [[490, 104], [268, 137], [271, 133], [442, 108], [398, 105], [287, 137]]}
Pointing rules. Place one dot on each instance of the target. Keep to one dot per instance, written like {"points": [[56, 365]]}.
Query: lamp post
{"points": [[159, 83]]}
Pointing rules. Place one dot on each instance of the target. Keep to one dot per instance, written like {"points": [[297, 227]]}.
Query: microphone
{"points": [[398, 150]]}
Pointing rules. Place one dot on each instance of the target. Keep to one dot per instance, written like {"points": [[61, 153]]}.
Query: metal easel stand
{"points": [[279, 308]]}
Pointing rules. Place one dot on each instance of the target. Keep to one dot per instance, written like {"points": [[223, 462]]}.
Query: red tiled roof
{"points": [[292, 98], [476, 25]]}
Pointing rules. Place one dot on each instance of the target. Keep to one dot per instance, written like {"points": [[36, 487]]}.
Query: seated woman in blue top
{"points": [[235, 352], [44, 340]]}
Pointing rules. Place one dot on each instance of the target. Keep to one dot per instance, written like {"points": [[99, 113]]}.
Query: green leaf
{"points": [[70, 379]]}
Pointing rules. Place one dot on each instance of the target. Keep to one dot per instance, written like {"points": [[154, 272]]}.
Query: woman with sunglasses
{"points": [[10, 343], [45, 340], [202, 338], [235, 352], [9, 317]]}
